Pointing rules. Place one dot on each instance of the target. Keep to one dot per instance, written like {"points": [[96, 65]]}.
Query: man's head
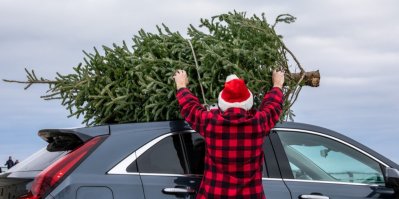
{"points": [[235, 94]]}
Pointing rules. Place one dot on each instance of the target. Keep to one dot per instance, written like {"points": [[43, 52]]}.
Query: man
{"points": [[9, 163], [233, 134]]}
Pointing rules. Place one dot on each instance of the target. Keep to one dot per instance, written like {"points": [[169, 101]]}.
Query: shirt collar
{"points": [[235, 113]]}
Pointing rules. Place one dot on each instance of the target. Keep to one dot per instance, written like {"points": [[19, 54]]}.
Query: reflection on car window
{"points": [[164, 157], [314, 157], [195, 151]]}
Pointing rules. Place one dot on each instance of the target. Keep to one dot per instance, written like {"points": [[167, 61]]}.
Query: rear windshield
{"points": [[38, 161]]}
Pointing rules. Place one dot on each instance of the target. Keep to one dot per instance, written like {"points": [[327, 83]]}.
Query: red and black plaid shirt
{"points": [[234, 138]]}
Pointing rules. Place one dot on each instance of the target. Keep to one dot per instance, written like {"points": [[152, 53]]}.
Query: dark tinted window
{"points": [[132, 167], [164, 157], [195, 151]]}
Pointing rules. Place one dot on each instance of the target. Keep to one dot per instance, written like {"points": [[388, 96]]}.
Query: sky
{"points": [[353, 43]]}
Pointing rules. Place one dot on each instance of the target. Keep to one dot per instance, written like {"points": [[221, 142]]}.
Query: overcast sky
{"points": [[353, 43]]}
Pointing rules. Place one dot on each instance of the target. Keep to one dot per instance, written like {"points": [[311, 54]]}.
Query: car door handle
{"points": [[179, 190], [313, 197]]}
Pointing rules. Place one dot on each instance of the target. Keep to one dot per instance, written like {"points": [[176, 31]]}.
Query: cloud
{"points": [[342, 81], [342, 56]]}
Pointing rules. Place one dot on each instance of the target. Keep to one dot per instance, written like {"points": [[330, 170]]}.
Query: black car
{"points": [[166, 160]]}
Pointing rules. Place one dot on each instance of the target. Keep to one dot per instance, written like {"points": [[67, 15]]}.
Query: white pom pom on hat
{"points": [[235, 94]]}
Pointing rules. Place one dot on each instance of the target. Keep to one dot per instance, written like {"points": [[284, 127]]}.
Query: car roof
{"points": [[162, 127]]}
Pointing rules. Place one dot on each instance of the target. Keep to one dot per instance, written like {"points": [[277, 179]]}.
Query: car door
{"points": [[172, 165], [273, 184], [164, 170], [319, 166]]}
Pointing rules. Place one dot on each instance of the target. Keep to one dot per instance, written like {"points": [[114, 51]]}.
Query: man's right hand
{"points": [[181, 79], [278, 79]]}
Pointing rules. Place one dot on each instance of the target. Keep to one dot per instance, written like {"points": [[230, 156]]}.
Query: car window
{"points": [[132, 168], [314, 157], [39, 160], [165, 157], [195, 152]]}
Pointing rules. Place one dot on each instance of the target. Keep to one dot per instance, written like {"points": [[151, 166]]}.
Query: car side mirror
{"points": [[324, 152], [392, 179]]}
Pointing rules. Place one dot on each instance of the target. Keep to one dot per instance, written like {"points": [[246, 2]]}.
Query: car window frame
{"points": [[185, 153], [121, 167], [271, 168], [283, 161]]}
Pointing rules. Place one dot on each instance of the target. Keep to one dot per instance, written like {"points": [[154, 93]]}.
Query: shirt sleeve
{"points": [[271, 108], [192, 110]]}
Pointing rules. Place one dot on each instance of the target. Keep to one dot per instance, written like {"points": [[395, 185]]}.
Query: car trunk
{"points": [[18, 181]]}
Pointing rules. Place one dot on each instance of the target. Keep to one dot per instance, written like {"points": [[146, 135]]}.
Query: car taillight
{"points": [[48, 178]]}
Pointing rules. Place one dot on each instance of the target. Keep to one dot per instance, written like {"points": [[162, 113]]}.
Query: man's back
{"points": [[233, 134], [234, 141]]}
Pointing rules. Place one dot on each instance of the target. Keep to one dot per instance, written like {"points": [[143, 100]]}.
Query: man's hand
{"points": [[278, 79], [181, 79]]}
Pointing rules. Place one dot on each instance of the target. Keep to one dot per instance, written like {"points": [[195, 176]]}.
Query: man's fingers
{"points": [[275, 72], [179, 71], [279, 70], [176, 73], [183, 72], [180, 74]]}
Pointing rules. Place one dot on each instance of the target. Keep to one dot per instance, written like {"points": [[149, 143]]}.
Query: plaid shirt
{"points": [[234, 138]]}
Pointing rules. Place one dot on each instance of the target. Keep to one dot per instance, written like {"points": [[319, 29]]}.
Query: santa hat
{"points": [[235, 94]]}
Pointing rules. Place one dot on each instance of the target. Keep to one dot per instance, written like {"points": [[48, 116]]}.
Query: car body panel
{"points": [[155, 186], [102, 192], [275, 188], [337, 190], [121, 186]]}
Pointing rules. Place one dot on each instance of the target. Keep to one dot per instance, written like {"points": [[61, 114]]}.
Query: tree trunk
{"points": [[311, 78]]}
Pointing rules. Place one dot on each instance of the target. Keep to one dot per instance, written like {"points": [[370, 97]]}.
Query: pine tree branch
{"points": [[31, 82], [293, 56], [287, 18]]}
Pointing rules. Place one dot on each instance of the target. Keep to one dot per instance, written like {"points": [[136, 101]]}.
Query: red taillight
{"points": [[29, 196], [52, 175]]}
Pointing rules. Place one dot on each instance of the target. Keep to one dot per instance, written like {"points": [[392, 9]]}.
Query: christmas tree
{"points": [[134, 84]]}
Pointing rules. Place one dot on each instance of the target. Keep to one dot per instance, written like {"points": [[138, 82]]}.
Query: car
{"points": [[166, 160]]}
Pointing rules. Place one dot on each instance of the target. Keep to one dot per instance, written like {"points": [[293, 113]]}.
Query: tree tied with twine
{"points": [[134, 84]]}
